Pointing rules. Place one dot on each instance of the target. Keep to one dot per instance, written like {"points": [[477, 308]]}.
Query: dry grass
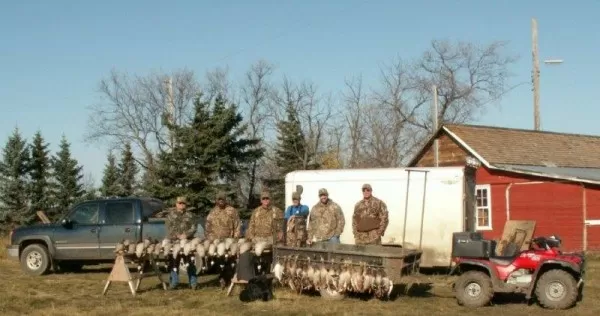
{"points": [[78, 294]]}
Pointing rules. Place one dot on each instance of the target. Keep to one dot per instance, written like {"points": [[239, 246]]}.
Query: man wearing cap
{"points": [[326, 220], [370, 218], [181, 224], [295, 217], [223, 221], [265, 220]]}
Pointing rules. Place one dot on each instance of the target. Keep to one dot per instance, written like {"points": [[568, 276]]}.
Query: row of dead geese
{"points": [[204, 253], [335, 278]]}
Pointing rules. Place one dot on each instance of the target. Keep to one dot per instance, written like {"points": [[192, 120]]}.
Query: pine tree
{"points": [[14, 204], [291, 154], [110, 180], [67, 177], [128, 171], [209, 153], [40, 174]]}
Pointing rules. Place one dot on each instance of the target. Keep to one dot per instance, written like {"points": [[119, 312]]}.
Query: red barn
{"points": [[552, 178]]}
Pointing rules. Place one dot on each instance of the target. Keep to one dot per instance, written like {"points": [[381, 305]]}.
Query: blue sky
{"points": [[53, 53]]}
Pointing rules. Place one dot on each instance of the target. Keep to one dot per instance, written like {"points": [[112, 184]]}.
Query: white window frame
{"points": [[488, 189]]}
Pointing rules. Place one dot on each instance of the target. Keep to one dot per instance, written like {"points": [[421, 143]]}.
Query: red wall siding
{"points": [[556, 207], [593, 213]]}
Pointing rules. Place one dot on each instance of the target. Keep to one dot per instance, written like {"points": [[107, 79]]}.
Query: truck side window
{"points": [[86, 214], [119, 213]]}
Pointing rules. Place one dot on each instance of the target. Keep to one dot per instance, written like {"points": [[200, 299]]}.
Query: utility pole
{"points": [[535, 75], [436, 126]]}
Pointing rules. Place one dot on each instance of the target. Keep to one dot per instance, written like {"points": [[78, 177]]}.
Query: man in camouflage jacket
{"points": [[223, 221], [370, 218], [326, 220], [181, 224], [264, 221]]}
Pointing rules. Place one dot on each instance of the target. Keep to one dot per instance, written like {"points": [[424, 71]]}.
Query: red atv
{"points": [[553, 277]]}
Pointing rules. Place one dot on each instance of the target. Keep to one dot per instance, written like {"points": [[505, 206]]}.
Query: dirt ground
{"points": [[80, 293]]}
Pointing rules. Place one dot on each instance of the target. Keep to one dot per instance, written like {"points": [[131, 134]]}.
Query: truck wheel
{"points": [[556, 289], [35, 259], [473, 289]]}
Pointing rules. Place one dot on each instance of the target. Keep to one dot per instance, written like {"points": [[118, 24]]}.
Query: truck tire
{"points": [[556, 289], [474, 289], [35, 260]]}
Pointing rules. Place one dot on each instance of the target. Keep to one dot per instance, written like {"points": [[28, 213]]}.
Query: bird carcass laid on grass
{"points": [[207, 255], [338, 269]]}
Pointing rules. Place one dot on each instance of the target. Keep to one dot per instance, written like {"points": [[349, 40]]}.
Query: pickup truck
{"points": [[87, 234]]}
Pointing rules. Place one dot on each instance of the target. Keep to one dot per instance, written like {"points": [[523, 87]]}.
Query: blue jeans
{"points": [[333, 240], [191, 272]]}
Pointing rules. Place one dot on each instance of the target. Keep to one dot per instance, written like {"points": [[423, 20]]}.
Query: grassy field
{"points": [[80, 293]]}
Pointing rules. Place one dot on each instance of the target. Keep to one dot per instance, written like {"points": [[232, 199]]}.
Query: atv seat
{"points": [[502, 261]]}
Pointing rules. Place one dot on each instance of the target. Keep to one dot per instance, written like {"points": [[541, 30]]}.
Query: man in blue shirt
{"points": [[295, 216]]}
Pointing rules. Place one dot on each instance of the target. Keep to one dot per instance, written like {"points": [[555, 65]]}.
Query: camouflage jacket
{"points": [[222, 223], [373, 208], [264, 221], [325, 221], [178, 223]]}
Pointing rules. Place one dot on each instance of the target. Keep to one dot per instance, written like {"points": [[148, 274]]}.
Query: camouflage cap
{"points": [[367, 186], [295, 196], [181, 199], [265, 194], [323, 192], [221, 195]]}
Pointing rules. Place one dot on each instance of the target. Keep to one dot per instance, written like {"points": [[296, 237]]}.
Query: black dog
{"points": [[258, 288]]}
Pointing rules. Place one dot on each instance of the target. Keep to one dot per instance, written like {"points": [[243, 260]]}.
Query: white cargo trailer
{"points": [[440, 209]]}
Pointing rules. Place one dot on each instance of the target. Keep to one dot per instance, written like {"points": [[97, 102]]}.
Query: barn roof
{"points": [[572, 157]]}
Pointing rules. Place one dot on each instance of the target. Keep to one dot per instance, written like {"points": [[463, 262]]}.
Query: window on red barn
{"points": [[483, 206]]}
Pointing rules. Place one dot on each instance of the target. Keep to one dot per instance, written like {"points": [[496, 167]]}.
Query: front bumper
{"points": [[13, 252]]}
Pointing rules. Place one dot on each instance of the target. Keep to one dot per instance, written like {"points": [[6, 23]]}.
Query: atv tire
{"points": [[556, 289], [474, 289]]}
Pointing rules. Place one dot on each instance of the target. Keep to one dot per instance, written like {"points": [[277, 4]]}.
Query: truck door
{"points": [[77, 238], [117, 224]]}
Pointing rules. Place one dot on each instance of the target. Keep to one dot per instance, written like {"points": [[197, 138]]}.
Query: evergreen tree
{"points": [[127, 171], [14, 204], [292, 153], [209, 153], [67, 177], [110, 180], [39, 169]]}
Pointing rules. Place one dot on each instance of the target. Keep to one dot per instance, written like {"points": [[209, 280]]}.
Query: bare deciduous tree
{"points": [[398, 118], [255, 96], [132, 109]]}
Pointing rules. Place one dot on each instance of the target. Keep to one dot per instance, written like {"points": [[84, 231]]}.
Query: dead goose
{"points": [[228, 243], [259, 247], [187, 249], [195, 242], [212, 250], [139, 250], [119, 247], [221, 249], [233, 250]]}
